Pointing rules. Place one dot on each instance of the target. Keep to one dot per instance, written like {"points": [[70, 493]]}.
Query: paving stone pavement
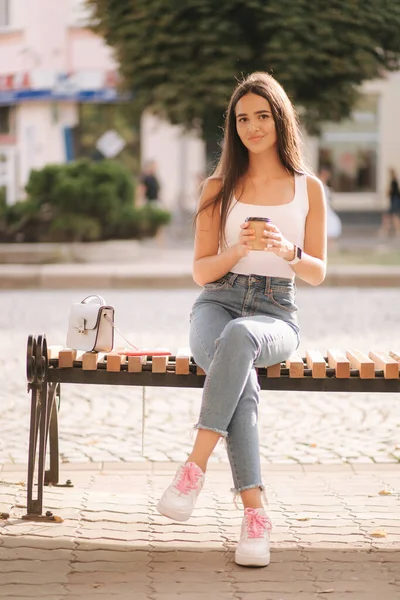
{"points": [[336, 524], [336, 535], [100, 423]]}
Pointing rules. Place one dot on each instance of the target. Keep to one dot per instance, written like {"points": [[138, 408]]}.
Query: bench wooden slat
{"points": [[317, 363], [386, 363], [66, 358], [359, 360], [295, 364], [159, 363], [90, 360], [199, 371], [338, 361], [135, 363], [395, 354], [114, 361], [274, 370], [182, 361]]}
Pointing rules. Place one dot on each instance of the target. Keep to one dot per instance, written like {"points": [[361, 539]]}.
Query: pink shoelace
{"points": [[188, 478], [256, 523]]}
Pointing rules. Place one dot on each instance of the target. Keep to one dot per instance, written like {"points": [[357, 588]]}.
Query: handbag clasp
{"points": [[81, 326]]}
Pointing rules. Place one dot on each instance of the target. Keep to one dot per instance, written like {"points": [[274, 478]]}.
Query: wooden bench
{"points": [[49, 367]]}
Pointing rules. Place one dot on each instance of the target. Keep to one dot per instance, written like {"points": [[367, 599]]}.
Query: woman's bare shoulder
{"points": [[212, 185], [315, 189], [210, 188]]}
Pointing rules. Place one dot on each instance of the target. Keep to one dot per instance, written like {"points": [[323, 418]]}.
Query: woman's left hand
{"points": [[276, 243]]}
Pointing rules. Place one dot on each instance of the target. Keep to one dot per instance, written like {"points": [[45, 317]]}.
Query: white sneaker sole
{"points": [[252, 561], [172, 514]]}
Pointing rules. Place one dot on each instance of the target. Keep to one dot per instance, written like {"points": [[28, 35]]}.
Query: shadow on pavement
{"points": [[66, 568]]}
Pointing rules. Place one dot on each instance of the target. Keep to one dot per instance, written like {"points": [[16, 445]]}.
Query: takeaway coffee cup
{"points": [[257, 223]]}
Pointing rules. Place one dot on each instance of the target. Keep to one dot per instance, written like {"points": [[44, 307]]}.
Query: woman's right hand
{"points": [[246, 236]]}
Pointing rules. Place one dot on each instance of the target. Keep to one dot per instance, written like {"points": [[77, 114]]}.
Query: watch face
{"points": [[298, 252]]}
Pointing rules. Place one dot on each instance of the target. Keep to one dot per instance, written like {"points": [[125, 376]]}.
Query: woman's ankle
{"points": [[200, 463], [252, 498]]}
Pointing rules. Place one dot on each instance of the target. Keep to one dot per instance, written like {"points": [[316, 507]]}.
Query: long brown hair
{"points": [[234, 160]]}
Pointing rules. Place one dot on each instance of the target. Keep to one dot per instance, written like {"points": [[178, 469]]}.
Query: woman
{"points": [[391, 219], [246, 314]]}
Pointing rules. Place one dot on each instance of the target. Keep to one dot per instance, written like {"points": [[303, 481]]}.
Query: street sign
{"points": [[110, 143]]}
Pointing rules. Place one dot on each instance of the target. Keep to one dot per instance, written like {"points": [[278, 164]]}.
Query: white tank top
{"points": [[289, 218]]}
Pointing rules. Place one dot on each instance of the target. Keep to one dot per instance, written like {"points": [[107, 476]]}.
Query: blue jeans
{"points": [[238, 323]]}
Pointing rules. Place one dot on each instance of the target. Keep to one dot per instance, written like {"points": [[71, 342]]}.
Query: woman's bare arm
{"points": [[312, 267], [208, 265]]}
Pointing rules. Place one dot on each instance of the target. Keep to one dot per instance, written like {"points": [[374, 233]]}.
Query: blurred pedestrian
{"points": [[149, 185], [149, 195], [246, 315], [391, 218], [333, 222]]}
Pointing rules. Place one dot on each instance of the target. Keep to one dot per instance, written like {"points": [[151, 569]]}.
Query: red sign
{"points": [[16, 81]]}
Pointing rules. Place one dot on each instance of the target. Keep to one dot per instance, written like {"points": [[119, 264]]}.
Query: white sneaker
{"points": [[178, 500], [253, 547]]}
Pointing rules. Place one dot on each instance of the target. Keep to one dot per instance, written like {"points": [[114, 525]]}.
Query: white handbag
{"points": [[91, 325]]}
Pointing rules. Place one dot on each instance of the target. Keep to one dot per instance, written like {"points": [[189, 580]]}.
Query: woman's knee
{"points": [[236, 335], [200, 350]]}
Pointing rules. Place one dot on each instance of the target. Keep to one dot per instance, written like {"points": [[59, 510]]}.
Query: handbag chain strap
{"points": [[144, 415], [143, 389], [121, 334]]}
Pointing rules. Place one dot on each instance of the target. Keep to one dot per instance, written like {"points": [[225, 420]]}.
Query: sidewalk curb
{"points": [[154, 276], [115, 251], [43, 280]]}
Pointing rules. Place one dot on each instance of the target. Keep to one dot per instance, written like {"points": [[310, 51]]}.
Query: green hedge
{"points": [[79, 201]]}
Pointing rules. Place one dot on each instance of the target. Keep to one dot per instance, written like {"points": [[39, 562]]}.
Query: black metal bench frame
{"points": [[44, 384]]}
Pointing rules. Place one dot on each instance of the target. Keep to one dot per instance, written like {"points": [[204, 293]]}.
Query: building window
{"points": [[349, 148], [4, 13]]}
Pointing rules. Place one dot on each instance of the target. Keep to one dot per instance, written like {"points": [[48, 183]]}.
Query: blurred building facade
{"points": [[361, 150], [51, 63]]}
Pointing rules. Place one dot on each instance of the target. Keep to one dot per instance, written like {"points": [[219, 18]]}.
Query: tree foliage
{"points": [[181, 57]]}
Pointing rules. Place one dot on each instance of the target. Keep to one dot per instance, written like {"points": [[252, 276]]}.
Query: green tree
{"points": [[180, 58]]}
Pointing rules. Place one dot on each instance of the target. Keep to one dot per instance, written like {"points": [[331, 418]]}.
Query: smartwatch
{"points": [[297, 256]]}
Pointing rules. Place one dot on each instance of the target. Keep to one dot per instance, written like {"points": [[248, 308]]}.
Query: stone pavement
{"points": [[328, 516], [336, 535], [101, 423]]}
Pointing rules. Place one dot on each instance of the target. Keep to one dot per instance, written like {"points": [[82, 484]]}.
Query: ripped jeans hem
{"points": [[223, 434], [237, 491]]}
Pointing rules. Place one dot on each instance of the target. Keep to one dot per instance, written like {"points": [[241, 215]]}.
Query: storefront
{"points": [[360, 150]]}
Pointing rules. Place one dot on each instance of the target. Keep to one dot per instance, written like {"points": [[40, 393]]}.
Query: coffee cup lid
{"points": [[265, 219]]}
